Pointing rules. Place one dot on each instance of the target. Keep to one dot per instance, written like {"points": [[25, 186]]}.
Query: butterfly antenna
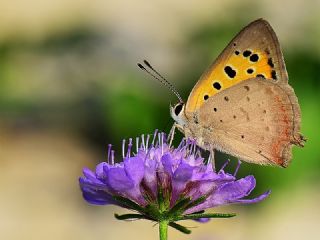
{"points": [[160, 78]]}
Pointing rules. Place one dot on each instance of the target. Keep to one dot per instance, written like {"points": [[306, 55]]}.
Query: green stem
{"points": [[163, 230]]}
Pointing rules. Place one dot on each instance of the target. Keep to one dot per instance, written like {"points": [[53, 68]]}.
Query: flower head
{"points": [[162, 182]]}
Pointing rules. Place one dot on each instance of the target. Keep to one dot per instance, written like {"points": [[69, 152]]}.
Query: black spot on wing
{"points": [[270, 62], [216, 85], [246, 53], [274, 74], [260, 75], [249, 70], [254, 58], [230, 72], [205, 97]]}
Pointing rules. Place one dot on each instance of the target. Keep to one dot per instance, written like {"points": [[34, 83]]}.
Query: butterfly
{"points": [[242, 104]]}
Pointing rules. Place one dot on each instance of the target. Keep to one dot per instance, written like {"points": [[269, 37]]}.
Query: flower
{"points": [[164, 183]]}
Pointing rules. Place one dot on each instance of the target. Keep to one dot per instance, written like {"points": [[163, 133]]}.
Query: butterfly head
{"points": [[177, 113]]}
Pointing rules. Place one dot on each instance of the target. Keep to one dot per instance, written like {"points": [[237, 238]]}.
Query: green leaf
{"points": [[196, 202], [204, 215], [130, 216], [179, 227], [128, 203]]}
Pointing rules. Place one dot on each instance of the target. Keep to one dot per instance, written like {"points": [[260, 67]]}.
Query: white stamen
{"points": [[137, 144], [129, 147], [112, 157], [154, 136], [142, 142], [147, 141], [123, 147], [237, 169], [224, 165], [162, 138], [109, 151]]}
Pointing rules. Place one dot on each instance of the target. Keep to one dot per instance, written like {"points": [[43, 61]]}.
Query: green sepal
{"points": [[130, 216], [204, 215], [179, 227], [196, 202], [185, 204], [152, 210], [179, 206], [202, 211], [129, 204]]}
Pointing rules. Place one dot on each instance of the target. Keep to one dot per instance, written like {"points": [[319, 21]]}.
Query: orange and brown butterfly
{"points": [[243, 104]]}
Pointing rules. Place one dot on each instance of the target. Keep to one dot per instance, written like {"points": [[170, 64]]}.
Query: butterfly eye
{"points": [[178, 108]]}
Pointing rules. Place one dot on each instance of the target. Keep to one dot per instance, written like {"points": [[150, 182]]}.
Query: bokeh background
{"points": [[69, 85]]}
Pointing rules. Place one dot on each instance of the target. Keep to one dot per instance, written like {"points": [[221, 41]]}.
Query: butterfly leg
{"points": [[212, 160], [171, 134]]}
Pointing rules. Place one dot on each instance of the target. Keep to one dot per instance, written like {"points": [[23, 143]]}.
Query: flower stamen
{"points": [[237, 169], [154, 137], [123, 148], [112, 157], [143, 146], [224, 165], [109, 152], [129, 148], [147, 141], [137, 144]]}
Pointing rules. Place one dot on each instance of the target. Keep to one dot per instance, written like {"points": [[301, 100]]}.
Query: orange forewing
{"points": [[254, 52]]}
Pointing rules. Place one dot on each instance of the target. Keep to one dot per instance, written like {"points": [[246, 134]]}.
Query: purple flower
{"points": [[160, 181]]}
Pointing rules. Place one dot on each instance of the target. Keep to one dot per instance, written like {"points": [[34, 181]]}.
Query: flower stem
{"points": [[163, 230]]}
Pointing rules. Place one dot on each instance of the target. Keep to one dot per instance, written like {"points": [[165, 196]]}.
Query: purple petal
{"points": [[230, 192], [100, 173], [92, 184], [202, 220], [183, 173], [150, 176], [180, 178], [167, 163], [134, 168], [89, 174], [92, 194], [118, 180], [254, 200], [98, 198]]}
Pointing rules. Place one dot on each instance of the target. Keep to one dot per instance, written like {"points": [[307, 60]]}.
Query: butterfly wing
{"points": [[255, 120], [255, 51]]}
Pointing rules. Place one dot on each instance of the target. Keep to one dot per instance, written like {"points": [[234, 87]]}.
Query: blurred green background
{"points": [[69, 85]]}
